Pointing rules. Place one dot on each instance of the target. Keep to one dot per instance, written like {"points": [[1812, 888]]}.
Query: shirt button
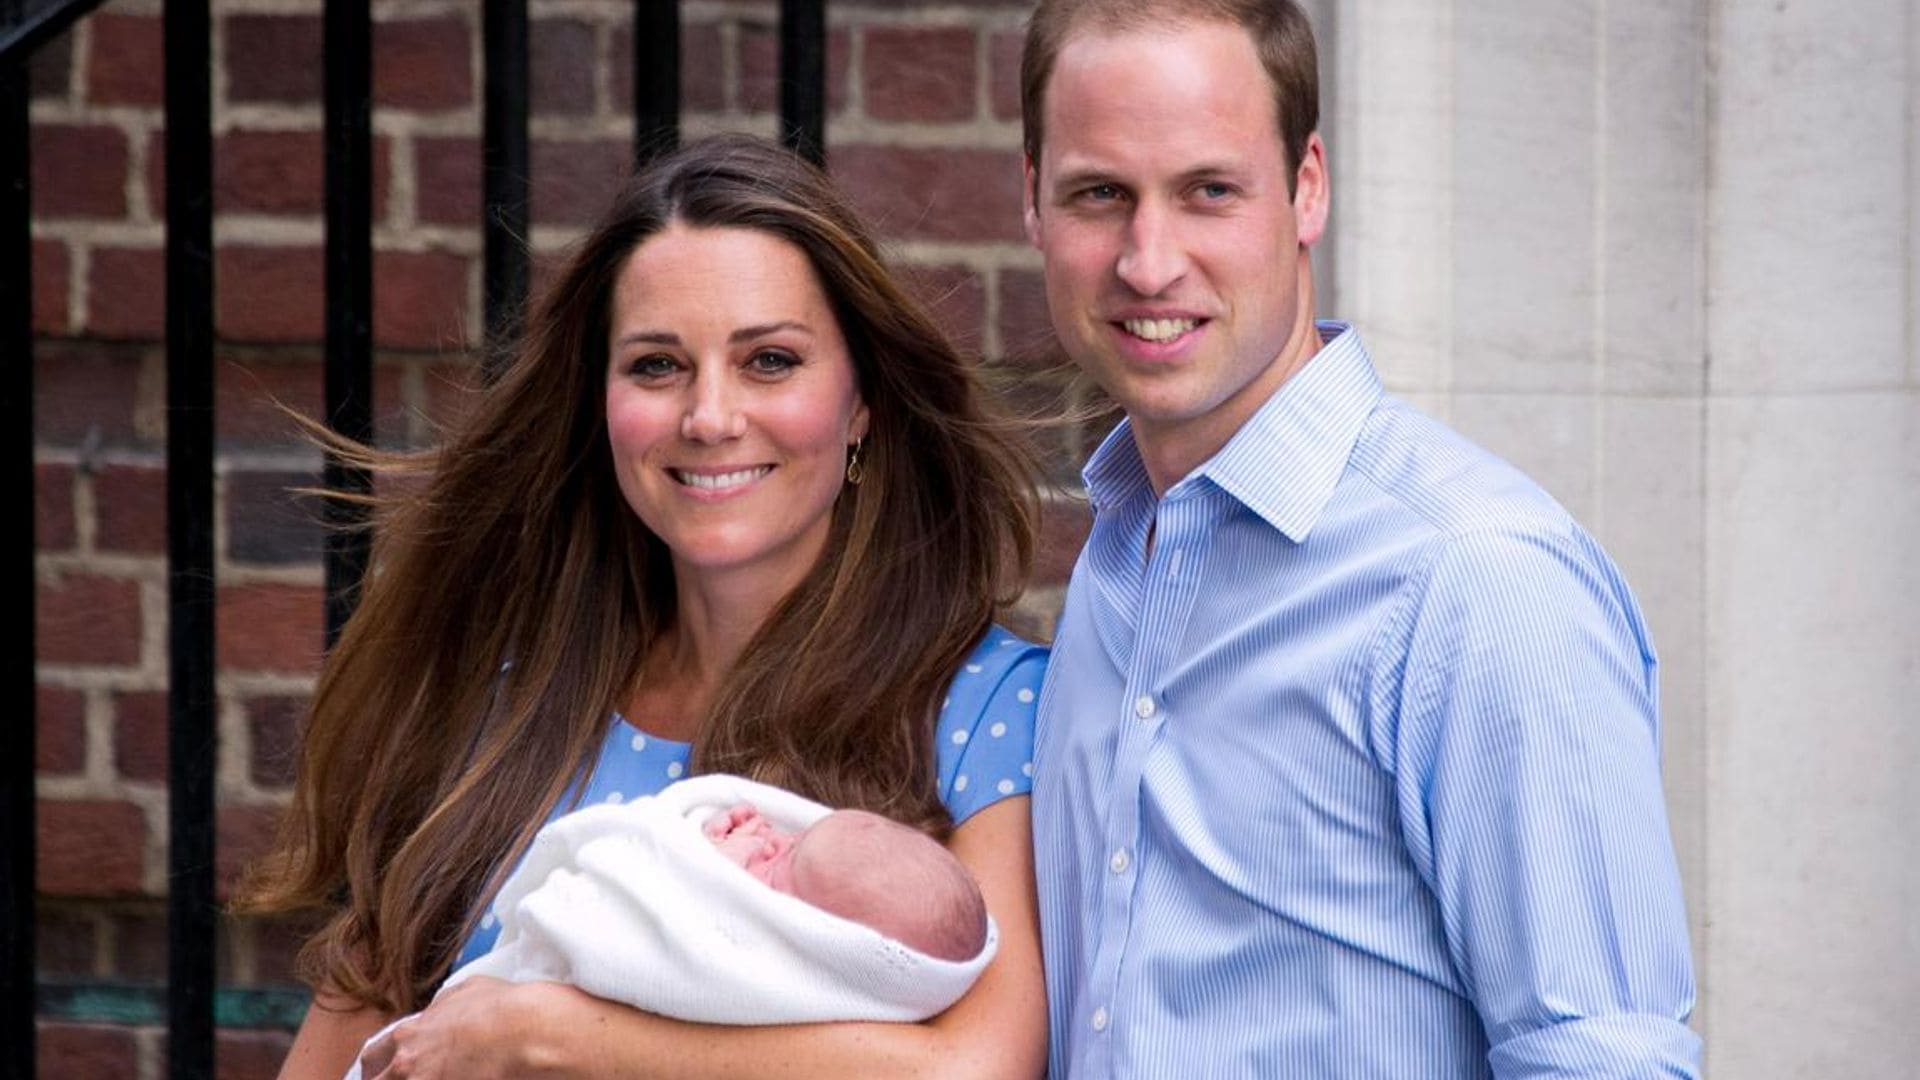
{"points": [[1119, 862], [1143, 707], [1100, 1019]]}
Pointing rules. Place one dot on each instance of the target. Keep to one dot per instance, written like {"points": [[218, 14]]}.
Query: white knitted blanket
{"points": [[632, 903]]}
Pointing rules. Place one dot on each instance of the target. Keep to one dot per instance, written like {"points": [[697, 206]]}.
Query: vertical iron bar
{"points": [[507, 168], [191, 913], [348, 49], [656, 78], [16, 661], [803, 78]]}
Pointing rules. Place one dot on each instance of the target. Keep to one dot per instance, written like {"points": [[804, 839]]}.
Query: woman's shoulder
{"points": [[985, 733]]}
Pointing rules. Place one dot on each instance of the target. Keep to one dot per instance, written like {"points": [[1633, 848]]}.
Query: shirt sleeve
{"points": [[1527, 754], [986, 726]]}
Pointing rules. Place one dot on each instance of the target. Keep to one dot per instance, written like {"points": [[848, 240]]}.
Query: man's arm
{"points": [[1527, 748]]}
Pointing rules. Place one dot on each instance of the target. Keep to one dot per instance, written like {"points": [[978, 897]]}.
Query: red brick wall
{"points": [[923, 131]]}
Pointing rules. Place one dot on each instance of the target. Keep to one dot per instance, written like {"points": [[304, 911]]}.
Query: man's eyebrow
{"points": [[1079, 178]]}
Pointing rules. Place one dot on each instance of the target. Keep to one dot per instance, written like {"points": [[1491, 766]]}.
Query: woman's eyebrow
{"points": [[748, 333], [745, 333]]}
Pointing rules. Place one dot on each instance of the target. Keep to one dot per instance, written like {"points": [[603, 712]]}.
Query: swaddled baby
{"points": [[866, 868], [840, 915]]}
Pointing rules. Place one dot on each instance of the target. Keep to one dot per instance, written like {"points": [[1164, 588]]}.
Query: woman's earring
{"points": [[854, 469]]}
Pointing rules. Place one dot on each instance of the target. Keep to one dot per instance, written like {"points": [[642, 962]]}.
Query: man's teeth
{"points": [[718, 481], [1159, 329]]}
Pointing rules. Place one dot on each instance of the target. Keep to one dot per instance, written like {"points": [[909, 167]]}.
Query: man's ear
{"points": [[1312, 193], [1029, 194]]}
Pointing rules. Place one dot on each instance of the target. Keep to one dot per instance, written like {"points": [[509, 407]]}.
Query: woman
{"points": [[735, 507]]}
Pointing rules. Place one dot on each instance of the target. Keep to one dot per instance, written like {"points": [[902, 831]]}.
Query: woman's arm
{"points": [[330, 1036], [485, 1028]]}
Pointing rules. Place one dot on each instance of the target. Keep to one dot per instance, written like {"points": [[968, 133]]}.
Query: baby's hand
{"points": [[742, 817]]}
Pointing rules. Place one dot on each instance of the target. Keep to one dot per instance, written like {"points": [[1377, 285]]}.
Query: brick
{"points": [[140, 735], [420, 299], [573, 181], [84, 391], [933, 194], [51, 270], [1003, 71], [424, 64], [60, 730], [269, 172], [131, 505], [275, 58], [126, 67], [249, 1055], [269, 628], [269, 294], [560, 53], [274, 725], [127, 293], [702, 76], [139, 944], [89, 847], [759, 45], [267, 523], [50, 70], [81, 619], [79, 171], [244, 833], [447, 180], [252, 394], [95, 1051], [913, 74], [955, 297], [1026, 330], [53, 525], [276, 948], [156, 178], [63, 942]]}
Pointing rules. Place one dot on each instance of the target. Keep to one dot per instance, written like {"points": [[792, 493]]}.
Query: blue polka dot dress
{"points": [[985, 742]]}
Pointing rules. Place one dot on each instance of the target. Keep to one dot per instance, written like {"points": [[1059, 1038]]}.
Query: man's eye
{"points": [[772, 362], [1102, 192], [1215, 191]]}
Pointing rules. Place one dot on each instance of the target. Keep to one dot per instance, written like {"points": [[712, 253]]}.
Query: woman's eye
{"points": [[772, 362], [656, 366]]}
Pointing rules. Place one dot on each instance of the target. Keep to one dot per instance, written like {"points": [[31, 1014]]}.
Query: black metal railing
{"points": [[191, 1003]]}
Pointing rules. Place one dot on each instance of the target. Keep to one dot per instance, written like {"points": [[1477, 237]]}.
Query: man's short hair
{"points": [[1281, 35]]}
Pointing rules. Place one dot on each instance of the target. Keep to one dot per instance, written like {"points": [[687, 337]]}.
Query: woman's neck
{"points": [[715, 616]]}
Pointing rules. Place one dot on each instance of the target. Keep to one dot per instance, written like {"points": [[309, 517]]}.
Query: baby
{"points": [[864, 868], [841, 914]]}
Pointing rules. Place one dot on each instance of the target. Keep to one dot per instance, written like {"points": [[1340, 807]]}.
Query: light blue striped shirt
{"points": [[1354, 772]]}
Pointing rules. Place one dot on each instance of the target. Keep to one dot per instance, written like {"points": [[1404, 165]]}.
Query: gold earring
{"points": [[854, 469]]}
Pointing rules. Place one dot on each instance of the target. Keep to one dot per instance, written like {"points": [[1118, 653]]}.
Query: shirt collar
{"points": [[1285, 461]]}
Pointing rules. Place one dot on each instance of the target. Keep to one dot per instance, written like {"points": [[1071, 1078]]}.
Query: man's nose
{"points": [[713, 409], [1152, 258]]}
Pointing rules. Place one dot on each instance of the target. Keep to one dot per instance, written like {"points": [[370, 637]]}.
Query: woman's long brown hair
{"points": [[426, 766]]}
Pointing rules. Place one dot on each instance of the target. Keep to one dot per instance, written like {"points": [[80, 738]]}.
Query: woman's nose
{"points": [[713, 411]]}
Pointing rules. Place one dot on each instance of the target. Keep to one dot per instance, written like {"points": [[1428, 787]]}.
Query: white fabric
{"points": [[631, 902]]}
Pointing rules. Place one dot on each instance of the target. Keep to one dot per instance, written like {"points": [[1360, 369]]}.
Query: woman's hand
{"points": [[480, 1030]]}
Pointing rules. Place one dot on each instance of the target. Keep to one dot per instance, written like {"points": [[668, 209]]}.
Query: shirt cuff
{"points": [[1625, 1047]]}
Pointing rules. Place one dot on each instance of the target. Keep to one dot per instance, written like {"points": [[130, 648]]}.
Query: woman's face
{"points": [[730, 400]]}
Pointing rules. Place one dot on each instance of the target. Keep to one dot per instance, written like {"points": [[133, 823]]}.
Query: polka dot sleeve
{"points": [[986, 726]]}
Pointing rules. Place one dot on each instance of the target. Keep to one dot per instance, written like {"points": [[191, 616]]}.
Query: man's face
{"points": [[1175, 269]]}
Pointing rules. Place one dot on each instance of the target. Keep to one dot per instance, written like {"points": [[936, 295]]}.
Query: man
{"points": [[1348, 760]]}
